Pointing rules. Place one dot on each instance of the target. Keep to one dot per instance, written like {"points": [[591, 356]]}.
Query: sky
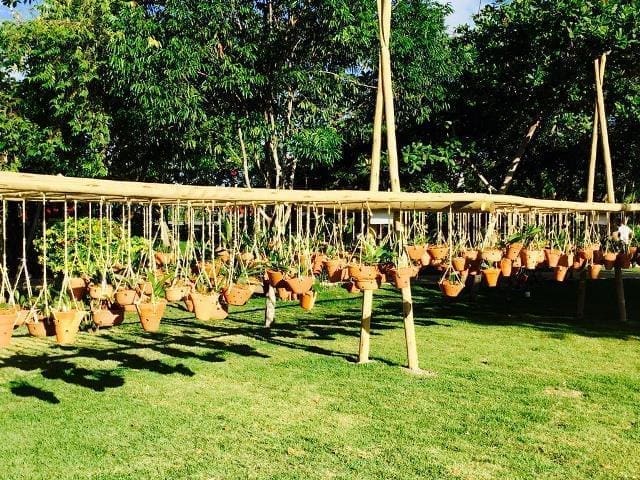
{"points": [[463, 10]]}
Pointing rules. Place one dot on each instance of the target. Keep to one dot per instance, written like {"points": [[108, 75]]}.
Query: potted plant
{"points": [[150, 307], [451, 283], [238, 291], [206, 301], [8, 319], [365, 273], [106, 313]]}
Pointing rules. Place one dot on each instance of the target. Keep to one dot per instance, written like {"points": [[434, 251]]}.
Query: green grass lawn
{"points": [[517, 390]]}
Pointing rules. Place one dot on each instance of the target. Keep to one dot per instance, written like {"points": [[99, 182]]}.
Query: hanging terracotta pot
{"points": [[531, 258], [367, 284], [402, 276], [126, 296], [506, 266], [517, 263], [491, 276], [176, 293], [8, 319], [566, 260], [609, 260], [317, 261], [560, 273], [513, 251], [438, 252], [164, 258], [78, 287], [363, 272], [351, 287], [425, 259], [598, 256], [276, 278], [451, 289], [623, 260], [107, 317], [208, 306], [334, 269], [578, 262], [491, 255], [67, 325], [150, 314], [188, 304], [415, 252], [300, 285], [43, 327], [594, 271], [552, 257], [22, 316], [459, 264], [101, 291], [284, 293], [237, 294], [308, 300]]}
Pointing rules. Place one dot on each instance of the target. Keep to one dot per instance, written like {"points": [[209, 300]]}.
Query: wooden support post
{"points": [[582, 294], [622, 307], [376, 148], [270, 306], [409, 329], [594, 135], [602, 118], [365, 326]]}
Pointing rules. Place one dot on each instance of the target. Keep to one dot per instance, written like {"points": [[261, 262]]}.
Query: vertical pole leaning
{"points": [[602, 118], [599, 66]]}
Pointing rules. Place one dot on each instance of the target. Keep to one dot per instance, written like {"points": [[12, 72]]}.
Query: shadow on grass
{"points": [[26, 390]]}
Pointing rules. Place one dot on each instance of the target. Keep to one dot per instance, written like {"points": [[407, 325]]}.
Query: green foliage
{"points": [[89, 245]]}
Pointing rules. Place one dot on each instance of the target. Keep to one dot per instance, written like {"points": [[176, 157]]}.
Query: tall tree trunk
{"points": [[515, 163]]}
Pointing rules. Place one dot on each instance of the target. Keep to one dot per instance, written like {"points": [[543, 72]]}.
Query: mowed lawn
{"points": [[514, 388]]}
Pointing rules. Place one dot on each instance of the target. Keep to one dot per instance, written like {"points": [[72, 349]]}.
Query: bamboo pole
{"points": [[409, 329], [602, 118], [376, 148], [389, 110], [270, 306], [594, 134], [365, 326], [515, 163]]}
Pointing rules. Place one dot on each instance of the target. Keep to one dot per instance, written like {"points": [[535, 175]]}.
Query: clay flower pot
{"points": [[275, 278], [609, 260], [163, 258], [67, 325], [126, 296], [107, 317], [513, 251], [237, 294], [284, 294], [367, 284], [44, 327], [176, 293], [363, 272], [459, 264], [552, 257], [317, 262], [334, 269], [594, 271], [531, 258], [188, 303], [451, 289], [491, 255], [208, 307], [491, 276], [506, 266], [623, 260], [415, 252], [101, 291], [578, 262], [425, 259], [308, 300], [438, 252], [78, 287], [300, 285], [8, 319], [402, 276], [150, 314], [560, 273]]}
